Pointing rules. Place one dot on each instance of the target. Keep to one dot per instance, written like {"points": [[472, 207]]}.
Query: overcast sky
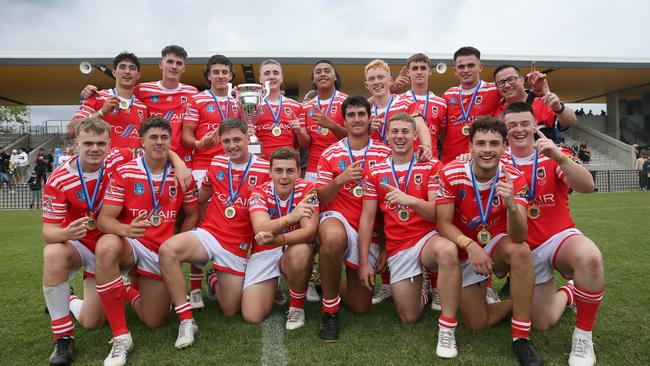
{"points": [[595, 29]]}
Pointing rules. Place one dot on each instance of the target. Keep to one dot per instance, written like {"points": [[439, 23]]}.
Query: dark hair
{"points": [[337, 83], [467, 51], [503, 67], [519, 107], [218, 60], [355, 101], [155, 122], [176, 50], [285, 153], [418, 57], [488, 124], [233, 124], [126, 56]]}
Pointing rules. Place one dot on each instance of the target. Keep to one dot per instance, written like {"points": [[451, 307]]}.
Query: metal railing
{"points": [[19, 196], [616, 180]]}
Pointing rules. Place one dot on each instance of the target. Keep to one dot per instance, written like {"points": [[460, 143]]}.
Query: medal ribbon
{"points": [[382, 132], [533, 184], [329, 106], [276, 117], [466, 113], [365, 153], [130, 101], [234, 194], [216, 101], [90, 201], [277, 203], [408, 174], [426, 104], [483, 212], [156, 201]]}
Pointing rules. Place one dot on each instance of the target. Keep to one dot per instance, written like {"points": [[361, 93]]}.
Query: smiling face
{"points": [[235, 145], [378, 82], [172, 67], [156, 142], [126, 74], [219, 77], [510, 84], [521, 130], [92, 147], [284, 173], [486, 149], [324, 76], [357, 121], [400, 137], [273, 74], [468, 70]]}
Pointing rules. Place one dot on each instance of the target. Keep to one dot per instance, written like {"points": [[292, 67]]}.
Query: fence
{"points": [[616, 180], [19, 196]]}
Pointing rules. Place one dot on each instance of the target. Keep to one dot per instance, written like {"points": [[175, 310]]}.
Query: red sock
{"points": [[520, 329], [196, 278], [184, 312], [449, 323], [212, 281], [433, 277], [587, 304], [424, 297], [385, 278], [331, 306], [297, 299], [568, 290], [63, 327], [489, 284], [112, 296], [131, 294]]}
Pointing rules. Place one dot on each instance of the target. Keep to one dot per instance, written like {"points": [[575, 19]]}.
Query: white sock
{"points": [[57, 300], [75, 306], [583, 333]]}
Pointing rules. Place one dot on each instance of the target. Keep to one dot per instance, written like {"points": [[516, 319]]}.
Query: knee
{"points": [[166, 255], [300, 256], [542, 324], [592, 264], [253, 317], [358, 308], [107, 249], [520, 256], [331, 246], [448, 255], [92, 324], [53, 254], [474, 325], [409, 318], [229, 311], [154, 322]]}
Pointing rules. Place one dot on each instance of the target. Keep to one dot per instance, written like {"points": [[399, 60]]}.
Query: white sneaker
{"points": [[446, 344], [582, 351], [121, 346], [312, 294], [212, 295], [491, 296], [426, 284], [435, 300], [186, 331], [196, 300], [295, 318], [280, 296], [385, 292]]}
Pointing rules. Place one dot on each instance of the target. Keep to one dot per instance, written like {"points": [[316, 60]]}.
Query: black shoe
{"points": [[329, 327], [62, 354], [525, 352], [504, 293]]}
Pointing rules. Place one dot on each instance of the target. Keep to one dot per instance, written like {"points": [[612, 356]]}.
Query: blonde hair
{"points": [[377, 63]]}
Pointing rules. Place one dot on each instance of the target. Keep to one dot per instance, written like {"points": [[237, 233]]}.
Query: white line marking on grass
{"points": [[273, 351]]}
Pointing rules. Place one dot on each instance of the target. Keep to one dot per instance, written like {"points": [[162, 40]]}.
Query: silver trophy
{"points": [[251, 100]]}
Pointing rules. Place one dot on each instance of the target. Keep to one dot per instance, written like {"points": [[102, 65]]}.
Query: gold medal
{"points": [[276, 131], [357, 191], [403, 214], [484, 236], [230, 212], [534, 212], [324, 131], [124, 104], [155, 220], [91, 224], [465, 130]]}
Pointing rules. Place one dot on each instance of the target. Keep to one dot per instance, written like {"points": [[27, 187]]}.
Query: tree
{"points": [[12, 115]]}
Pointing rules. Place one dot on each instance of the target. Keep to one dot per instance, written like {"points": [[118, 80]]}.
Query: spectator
{"points": [[603, 113], [646, 172], [63, 158], [590, 113], [34, 186], [41, 168], [22, 163], [635, 148], [4, 168], [49, 157], [584, 154], [643, 179]]}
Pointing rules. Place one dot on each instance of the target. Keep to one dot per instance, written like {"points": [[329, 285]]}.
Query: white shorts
{"points": [[198, 175], [223, 260], [469, 276], [544, 256], [145, 260], [263, 266], [351, 255], [311, 177], [87, 260], [406, 263]]}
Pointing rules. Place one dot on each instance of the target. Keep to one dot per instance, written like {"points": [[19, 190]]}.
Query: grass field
{"points": [[618, 222]]}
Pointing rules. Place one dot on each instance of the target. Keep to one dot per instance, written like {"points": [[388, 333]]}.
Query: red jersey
{"points": [[234, 234], [402, 235], [170, 104], [395, 105], [433, 109], [551, 196], [455, 186], [64, 199], [322, 139], [334, 160], [485, 103], [544, 115], [285, 110], [263, 200], [124, 122], [129, 189], [206, 111]]}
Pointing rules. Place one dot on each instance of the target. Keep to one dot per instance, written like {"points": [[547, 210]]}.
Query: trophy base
{"points": [[255, 149]]}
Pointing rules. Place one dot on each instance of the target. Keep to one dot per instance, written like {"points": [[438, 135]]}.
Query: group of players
{"points": [[374, 199]]}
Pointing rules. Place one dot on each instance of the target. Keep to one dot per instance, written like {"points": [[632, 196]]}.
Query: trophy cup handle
{"points": [[267, 88], [230, 89]]}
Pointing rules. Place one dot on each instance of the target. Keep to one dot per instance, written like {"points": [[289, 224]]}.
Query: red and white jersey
{"points": [[170, 104], [124, 122], [544, 115], [64, 199], [434, 110], [129, 189], [551, 196], [235, 234], [263, 200], [206, 111], [288, 110], [485, 103], [396, 106], [455, 186], [402, 235], [321, 139], [334, 160]]}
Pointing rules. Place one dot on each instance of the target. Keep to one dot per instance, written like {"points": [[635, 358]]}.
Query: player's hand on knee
{"points": [[480, 261], [367, 276]]}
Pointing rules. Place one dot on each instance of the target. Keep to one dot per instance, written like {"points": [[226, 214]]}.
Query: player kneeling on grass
{"points": [[481, 206], [284, 214], [405, 191], [139, 212], [555, 242], [225, 234]]}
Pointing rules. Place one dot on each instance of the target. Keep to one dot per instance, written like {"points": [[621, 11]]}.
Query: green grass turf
{"points": [[617, 222]]}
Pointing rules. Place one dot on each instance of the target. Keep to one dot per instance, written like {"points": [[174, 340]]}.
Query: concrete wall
{"points": [[622, 153]]}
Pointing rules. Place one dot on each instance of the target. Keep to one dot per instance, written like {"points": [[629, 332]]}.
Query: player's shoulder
{"points": [[202, 97], [340, 96], [452, 91], [130, 167], [487, 86], [61, 176], [379, 167], [511, 169], [333, 150], [286, 101], [313, 102], [455, 168], [261, 165], [150, 86], [103, 94], [187, 89], [437, 99]]}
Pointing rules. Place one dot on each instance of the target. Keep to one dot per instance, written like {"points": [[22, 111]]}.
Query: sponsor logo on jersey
{"points": [[452, 100], [541, 172], [287, 110], [138, 188], [127, 131], [243, 246], [434, 110], [384, 180], [115, 111], [155, 98], [417, 179], [272, 212], [220, 175], [80, 195], [342, 165], [210, 108], [172, 191], [333, 109], [479, 99]]}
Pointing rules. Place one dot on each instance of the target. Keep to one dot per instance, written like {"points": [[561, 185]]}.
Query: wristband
{"points": [[462, 241], [101, 113], [282, 236], [284, 222], [561, 109]]}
